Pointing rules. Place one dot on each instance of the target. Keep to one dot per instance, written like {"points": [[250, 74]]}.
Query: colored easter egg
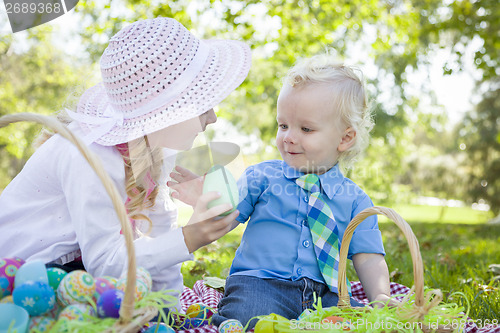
{"points": [[54, 312], [76, 287], [8, 269], [103, 284], [188, 323], [219, 179], [41, 324], [31, 271], [7, 299], [162, 328], [13, 318], [333, 319], [4, 287], [55, 276], [199, 310], [141, 290], [143, 275], [34, 296], [304, 314], [76, 312], [231, 326], [108, 304]]}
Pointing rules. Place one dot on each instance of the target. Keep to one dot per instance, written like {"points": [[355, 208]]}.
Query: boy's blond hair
{"points": [[348, 96]]}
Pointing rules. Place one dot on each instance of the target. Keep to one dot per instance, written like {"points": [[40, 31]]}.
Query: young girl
{"points": [[159, 86], [299, 208]]}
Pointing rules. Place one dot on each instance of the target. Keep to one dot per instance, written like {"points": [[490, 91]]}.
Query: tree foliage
{"points": [[397, 37]]}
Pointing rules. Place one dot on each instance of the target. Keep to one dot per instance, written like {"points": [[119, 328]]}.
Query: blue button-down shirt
{"points": [[277, 242]]}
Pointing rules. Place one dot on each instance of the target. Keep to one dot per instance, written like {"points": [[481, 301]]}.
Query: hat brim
{"points": [[226, 67]]}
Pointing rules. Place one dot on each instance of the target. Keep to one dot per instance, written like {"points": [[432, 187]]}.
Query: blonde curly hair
{"points": [[348, 94]]}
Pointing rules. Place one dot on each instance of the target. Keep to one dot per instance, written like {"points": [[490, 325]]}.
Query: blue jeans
{"points": [[247, 296]]}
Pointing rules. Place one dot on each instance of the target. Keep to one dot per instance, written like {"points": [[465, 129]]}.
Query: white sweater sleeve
{"points": [[97, 226]]}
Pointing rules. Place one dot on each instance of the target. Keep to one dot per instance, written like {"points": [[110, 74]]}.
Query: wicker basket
{"points": [[131, 319], [423, 303], [411, 313]]}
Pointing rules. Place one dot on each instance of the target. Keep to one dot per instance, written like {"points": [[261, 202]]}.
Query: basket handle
{"points": [[418, 269], [127, 305]]}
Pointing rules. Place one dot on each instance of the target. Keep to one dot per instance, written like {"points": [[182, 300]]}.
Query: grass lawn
{"points": [[456, 252]]}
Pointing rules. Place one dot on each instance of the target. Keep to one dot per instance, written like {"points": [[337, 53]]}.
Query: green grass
{"points": [[456, 252]]}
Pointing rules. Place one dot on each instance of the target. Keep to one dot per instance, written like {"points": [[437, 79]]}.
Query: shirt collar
{"points": [[330, 181]]}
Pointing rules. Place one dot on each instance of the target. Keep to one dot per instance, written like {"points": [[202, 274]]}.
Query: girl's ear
{"points": [[348, 140]]}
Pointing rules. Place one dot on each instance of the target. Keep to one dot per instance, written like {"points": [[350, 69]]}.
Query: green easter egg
{"points": [[55, 276], [219, 179]]}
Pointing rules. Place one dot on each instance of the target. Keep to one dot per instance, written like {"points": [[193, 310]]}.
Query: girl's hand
{"points": [[187, 185], [205, 225]]}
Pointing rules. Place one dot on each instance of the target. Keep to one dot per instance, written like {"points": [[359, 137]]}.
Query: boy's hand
{"points": [[187, 185], [205, 225]]}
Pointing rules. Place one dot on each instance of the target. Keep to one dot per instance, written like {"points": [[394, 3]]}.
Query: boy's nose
{"points": [[289, 138]]}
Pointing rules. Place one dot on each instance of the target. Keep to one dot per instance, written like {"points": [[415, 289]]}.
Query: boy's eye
{"points": [[282, 126], [305, 129]]}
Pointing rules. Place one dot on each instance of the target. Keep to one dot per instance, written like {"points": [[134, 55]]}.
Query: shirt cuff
{"points": [[366, 241], [245, 210]]}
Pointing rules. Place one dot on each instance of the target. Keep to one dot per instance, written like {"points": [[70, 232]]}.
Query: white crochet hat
{"points": [[156, 74]]}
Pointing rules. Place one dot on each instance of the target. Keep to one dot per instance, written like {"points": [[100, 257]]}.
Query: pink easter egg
{"points": [[8, 269]]}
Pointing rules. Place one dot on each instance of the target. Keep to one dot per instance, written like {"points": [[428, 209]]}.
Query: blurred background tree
{"points": [[415, 149]]}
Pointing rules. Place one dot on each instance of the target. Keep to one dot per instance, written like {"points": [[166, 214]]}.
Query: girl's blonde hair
{"points": [[348, 95], [142, 164]]}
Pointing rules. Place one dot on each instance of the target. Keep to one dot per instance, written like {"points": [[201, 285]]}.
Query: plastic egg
{"points": [[7, 299], [143, 275], [102, 284], [4, 287], [13, 318], [31, 271], [304, 314], [231, 326], [219, 179], [141, 290], [35, 296], [55, 276], [162, 328], [75, 287], [108, 304], [199, 310], [41, 324], [54, 312], [8, 269], [188, 323], [76, 312]]}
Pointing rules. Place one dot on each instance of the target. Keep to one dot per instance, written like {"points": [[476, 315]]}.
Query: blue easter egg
{"points": [[108, 304], [35, 296], [4, 287], [31, 271], [162, 328]]}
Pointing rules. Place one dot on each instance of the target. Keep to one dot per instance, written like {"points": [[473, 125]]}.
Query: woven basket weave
{"points": [[131, 319], [423, 302]]}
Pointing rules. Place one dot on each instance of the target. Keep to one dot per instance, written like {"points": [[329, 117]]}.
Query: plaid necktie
{"points": [[324, 231]]}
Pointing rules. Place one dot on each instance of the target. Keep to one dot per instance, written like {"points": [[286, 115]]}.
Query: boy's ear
{"points": [[348, 140]]}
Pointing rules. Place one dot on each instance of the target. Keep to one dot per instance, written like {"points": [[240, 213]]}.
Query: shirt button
{"points": [[304, 222], [299, 271], [306, 199], [306, 243]]}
